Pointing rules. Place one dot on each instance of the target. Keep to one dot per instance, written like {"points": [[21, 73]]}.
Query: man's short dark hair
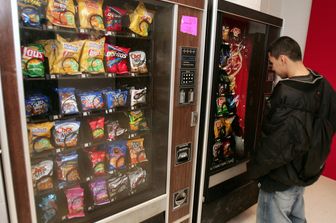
{"points": [[285, 46]]}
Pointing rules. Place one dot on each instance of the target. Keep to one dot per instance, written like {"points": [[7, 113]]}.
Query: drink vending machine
{"points": [[235, 84], [101, 102]]}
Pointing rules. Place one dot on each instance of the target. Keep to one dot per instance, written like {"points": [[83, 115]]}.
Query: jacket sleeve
{"points": [[283, 139]]}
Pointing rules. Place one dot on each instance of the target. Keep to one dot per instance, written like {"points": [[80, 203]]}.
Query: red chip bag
{"points": [[116, 59], [113, 18], [97, 128]]}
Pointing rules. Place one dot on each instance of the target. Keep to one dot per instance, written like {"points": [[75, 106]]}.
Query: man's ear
{"points": [[283, 59]]}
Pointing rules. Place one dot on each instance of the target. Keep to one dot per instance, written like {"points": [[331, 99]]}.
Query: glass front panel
{"points": [[96, 80], [237, 49]]}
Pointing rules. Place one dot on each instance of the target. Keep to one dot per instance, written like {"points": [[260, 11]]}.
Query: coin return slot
{"points": [[180, 198], [183, 153]]}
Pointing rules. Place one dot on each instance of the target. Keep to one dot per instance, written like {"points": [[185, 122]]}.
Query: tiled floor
{"points": [[320, 204]]}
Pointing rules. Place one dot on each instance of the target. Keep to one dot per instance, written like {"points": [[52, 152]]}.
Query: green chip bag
{"points": [[33, 60]]}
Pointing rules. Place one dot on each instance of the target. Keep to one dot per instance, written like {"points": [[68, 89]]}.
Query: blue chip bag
{"points": [[37, 104], [48, 208], [67, 101], [31, 12], [92, 100], [116, 155], [116, 98]]}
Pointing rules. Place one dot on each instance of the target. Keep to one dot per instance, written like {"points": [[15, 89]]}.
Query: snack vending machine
{"points": [[232, 105], [91, 102]]}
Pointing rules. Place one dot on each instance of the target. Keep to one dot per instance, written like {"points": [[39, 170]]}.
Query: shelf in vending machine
{"points": [[227, 165], [127, 35], [62, 30], [87, 76]]}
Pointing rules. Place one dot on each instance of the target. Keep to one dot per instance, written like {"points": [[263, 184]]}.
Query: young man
{"points": [[298, 126]]}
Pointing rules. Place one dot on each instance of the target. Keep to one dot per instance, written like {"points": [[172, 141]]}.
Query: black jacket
{"points": [[288, 132]]}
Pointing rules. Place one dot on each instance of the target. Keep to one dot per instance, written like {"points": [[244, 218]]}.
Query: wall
{"points": [[320, 55], [295, 15], [253, 4]]}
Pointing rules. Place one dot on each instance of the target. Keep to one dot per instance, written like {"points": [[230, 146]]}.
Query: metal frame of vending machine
{"points": [[7, 205], [185, 46], [225, 146]]}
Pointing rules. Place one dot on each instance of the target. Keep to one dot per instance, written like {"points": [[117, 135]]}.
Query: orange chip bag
{"points": [[67, 56], [140, 19], [137, 150], [91, 14], [61, 13], [92, 56]]}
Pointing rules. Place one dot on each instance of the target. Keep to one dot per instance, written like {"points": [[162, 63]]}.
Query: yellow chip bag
{"points": [[39, 136], [140, 20], [50, 51], [67, 56], [91, 14], [61, 13], [92, 56]]}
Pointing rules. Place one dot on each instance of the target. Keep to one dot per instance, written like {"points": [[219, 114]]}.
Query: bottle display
{"points": [[89, 76]]}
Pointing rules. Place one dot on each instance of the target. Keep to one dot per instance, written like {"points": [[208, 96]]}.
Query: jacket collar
{"points": [[316, 77]]}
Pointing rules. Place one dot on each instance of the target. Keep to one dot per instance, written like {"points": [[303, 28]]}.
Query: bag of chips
{"points": [[42, 175], [113, 18], [137, 151], [67, 56], [48, 208], [91, 14], [140, 20], [97, 128], [30, 12], [61, 13], [116, 98], [99, 192], [50, 51], [36, 104], [67, 168], [219, 128], [137, 121], [67, 101], [138, 62], [97, 158], [39, 136], [91, 101], [92, 56], [221, 108], [137, 177], [138, 96], [75, 200], [116, 59], [33, 60], [117, 185], [114, 130], [66, 133], [116, 155]]}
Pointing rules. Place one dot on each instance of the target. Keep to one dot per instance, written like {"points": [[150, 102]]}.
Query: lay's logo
{"points": [[31, 53]]}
